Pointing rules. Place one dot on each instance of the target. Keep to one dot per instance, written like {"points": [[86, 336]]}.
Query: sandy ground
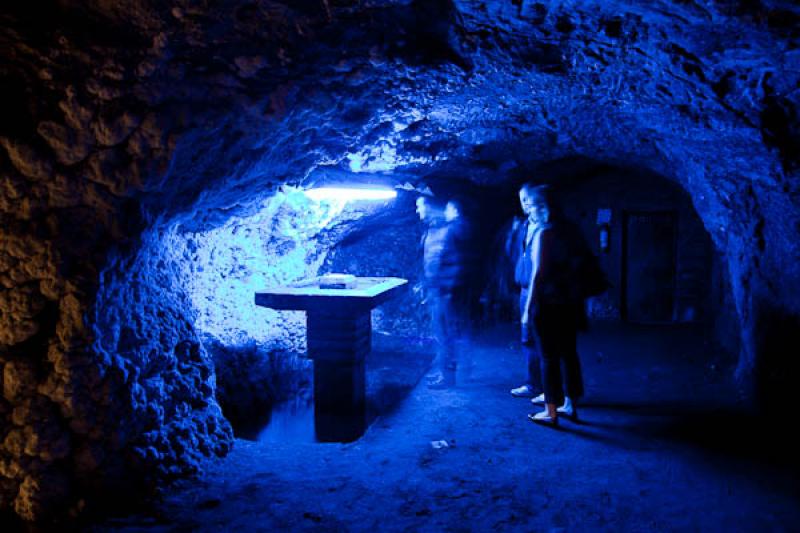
{"points": [[662, 445]]}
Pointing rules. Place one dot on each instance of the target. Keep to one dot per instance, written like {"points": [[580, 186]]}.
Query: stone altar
{"points": [[339, 337]]}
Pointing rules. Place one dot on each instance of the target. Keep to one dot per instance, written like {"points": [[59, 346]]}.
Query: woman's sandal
{"points": [[543, 418], [570, 413]]}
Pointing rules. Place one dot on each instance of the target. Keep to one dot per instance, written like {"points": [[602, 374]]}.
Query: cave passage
{"points": [[161, 164], [264, 373]]}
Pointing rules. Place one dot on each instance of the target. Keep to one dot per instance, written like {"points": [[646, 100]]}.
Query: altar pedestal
{"points": [[339, 338]]}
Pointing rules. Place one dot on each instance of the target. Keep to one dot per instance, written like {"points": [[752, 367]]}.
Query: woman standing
{"points": [[554, 309]]}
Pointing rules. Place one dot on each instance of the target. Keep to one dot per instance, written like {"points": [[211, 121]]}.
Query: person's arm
{"points": [[545, 269], [512, 237], [541, 271], [528, 304]]}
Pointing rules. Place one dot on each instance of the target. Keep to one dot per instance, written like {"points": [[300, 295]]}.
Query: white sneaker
{"points": [[539, 400], [522, 392]]}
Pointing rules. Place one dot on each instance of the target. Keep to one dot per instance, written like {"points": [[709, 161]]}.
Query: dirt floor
{"points": [[662, 445]]}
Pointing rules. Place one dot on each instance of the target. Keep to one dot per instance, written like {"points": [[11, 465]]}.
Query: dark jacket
{"points": [[444, 255]]}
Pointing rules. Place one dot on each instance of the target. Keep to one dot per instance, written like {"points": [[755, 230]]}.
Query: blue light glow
{"points": [[345, 194], [282, 242], [356, 162]]}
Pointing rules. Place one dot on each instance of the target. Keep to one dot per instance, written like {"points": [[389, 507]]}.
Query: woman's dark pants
{"points": [[530, 348], [556, 332]]}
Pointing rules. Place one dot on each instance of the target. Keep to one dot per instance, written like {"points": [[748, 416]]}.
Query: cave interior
{"points": [[156, 165]]}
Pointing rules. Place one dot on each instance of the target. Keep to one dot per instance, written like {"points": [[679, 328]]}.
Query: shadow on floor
{"points": [[738, 434]]}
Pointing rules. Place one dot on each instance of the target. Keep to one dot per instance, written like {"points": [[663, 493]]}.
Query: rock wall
{"points": [[126, 120]]}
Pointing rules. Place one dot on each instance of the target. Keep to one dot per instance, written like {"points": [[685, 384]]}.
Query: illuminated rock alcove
{"points": [[258, 351], [153, 160]]}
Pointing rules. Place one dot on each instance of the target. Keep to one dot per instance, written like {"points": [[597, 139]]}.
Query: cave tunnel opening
{"points": [[207, 271], [263, 376]]}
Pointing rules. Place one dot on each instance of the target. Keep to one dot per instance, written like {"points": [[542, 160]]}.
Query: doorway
{"points": [[649, 244]]}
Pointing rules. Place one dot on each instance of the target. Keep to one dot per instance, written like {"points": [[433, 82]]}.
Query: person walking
{"points": [[444, 270]]}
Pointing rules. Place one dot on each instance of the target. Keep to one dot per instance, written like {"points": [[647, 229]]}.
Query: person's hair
{"points": [[430, 201], [457, 203], [539, 194]]}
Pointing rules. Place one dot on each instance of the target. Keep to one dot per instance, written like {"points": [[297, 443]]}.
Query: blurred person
{"points": [[443, 244]]}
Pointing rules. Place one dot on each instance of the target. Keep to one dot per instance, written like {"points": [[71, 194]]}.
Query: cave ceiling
{"points": [[205, 107]]}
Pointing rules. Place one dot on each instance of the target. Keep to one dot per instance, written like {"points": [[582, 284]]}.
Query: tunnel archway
{"points": [[120, 137], [290, 237]]}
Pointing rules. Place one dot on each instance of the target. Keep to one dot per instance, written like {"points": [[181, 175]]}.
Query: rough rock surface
{"points": [[128, 122]]}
